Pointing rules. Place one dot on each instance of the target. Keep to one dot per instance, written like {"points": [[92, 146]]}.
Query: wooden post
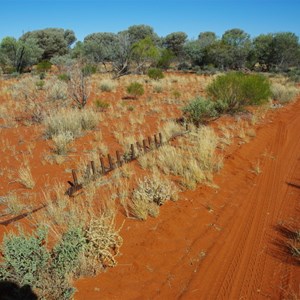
{"points": [[155, 140], [93, 168], [119, 161], [111, 165], [75, 178], [132, 152], [160, 139], [138, 145], [102, 165], [144, 146], [149, 142]]}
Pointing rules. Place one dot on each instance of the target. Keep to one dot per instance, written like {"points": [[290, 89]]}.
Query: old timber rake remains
{"points": [[112, 163]]}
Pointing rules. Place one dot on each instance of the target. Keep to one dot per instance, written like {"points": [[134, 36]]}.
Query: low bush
{"points": [[89, 69], [237, 90], [28, 259], [64, 77], [56, 90], [24, 258], [101, 105], [158, 88], [135, 89], [107, 85], [150, 193], [43, 66], [70, 120], [199, 110], [61, 142], [155, 73], [284, 93]]}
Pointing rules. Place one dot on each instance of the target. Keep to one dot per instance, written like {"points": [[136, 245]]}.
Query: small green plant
{"points": [[236, 90], [40, 84], [199, 110], [89, 69], [155, 73], [63, 77], [24, 257], [101, 105], [135, 89], [43, 66], [176, 94], [66, 252]]}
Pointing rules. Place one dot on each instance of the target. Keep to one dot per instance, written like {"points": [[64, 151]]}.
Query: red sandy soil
{"points": [[223, 243]]}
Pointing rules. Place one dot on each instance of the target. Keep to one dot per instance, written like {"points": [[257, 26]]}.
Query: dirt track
{"points": [[219, 243]]}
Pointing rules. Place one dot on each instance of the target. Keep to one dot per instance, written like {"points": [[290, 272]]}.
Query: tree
{"points": [[238, 44], [165, 58], [53, 41], [144, 53], [206, 38], [137, 33], [263, 45], [175, 42], [285, 50], [219, 55], [101, 47], [195, 52], [19, 54], [122, 58]]}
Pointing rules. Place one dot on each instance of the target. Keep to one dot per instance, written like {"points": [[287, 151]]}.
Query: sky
{"points": [[165, 16]]}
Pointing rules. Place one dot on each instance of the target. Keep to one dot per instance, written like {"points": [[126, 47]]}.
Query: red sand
{"points": [[231, 252]]}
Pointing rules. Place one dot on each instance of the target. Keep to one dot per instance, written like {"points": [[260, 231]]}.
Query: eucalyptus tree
{"points": [[53, 41], [238, 45], [175, 42], [19, 54]]}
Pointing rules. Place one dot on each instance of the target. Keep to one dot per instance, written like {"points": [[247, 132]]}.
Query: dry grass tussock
{"points": [[64, 125], [25, 176], [195, 160], [150, 193], [108, 85], [284, 93]]}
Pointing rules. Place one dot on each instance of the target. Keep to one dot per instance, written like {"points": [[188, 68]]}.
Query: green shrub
{"points": [[64, 77], [66, 252], [25, 257], [89, 69], [199, 110], [155, 74], [43, 66], [135, 89], [101, 105], [40, 84], [237, 90]]}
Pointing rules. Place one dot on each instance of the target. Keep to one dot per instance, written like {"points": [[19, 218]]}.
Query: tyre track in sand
{"points": [[243, 264]]}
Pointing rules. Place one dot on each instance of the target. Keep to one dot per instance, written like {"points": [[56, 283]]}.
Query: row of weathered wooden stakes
{"points": [[147, 145]]}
